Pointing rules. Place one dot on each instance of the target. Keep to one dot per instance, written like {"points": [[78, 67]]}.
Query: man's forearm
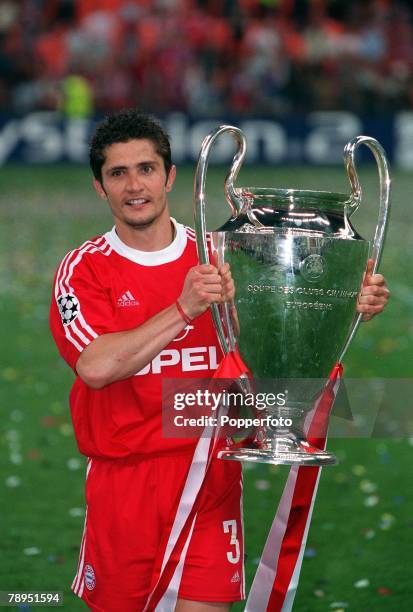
{"points": [[116, 356]]}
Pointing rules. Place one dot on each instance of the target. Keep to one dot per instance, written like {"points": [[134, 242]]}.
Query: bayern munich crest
{"points": [[90, 578], [68, 308]]}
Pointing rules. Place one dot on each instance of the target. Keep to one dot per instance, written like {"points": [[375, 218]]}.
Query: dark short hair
{"points": [[123, 126]]}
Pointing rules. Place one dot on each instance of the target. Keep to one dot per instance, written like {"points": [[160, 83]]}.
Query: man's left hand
{"points": [[374, 293], [228, 287]]}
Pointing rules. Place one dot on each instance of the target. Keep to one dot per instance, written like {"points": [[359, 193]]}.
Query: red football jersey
{"points": [[105, 286]]}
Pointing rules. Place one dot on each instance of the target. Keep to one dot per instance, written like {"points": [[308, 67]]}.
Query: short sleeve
{"points": [[81, 309]]}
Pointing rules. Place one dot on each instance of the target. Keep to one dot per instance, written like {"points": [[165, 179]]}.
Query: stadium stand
{"points": [[206, 56]]}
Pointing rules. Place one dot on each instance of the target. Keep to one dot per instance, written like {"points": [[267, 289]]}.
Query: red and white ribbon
{"points": [[276, 579]]}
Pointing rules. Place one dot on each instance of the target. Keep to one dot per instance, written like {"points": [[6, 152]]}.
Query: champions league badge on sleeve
{"points": [[68, 308]]}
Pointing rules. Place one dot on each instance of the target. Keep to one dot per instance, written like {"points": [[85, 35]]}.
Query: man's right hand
{"points": [[202, 287]]}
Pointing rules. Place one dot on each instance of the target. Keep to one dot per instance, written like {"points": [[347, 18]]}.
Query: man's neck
{"points": [[154, 237]]}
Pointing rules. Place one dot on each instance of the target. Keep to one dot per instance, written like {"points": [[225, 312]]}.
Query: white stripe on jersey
{"points": [[76, 331], [74, 263], [73, 340], [79, 332], [62, 271], [78, 577]]}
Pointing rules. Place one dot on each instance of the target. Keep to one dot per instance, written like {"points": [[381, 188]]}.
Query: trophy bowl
{"points": [[298, 265]]}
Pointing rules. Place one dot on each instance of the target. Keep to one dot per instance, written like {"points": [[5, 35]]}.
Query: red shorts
{"points": [[130, 505]]}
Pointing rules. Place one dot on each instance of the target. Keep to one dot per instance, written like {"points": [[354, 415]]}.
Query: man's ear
{"points": [[99, 189], [171, 178]]}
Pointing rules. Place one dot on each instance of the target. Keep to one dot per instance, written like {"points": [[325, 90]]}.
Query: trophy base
{"points": [[280, 451]]}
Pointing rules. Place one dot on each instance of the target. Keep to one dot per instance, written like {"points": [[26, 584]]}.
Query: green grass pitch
{"points": [[362, 524]]}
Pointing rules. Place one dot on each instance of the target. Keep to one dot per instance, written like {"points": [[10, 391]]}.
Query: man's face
{"points": [[135, 183]]}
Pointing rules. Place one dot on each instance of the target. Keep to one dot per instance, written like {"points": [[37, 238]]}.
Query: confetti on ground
{"points": [[341, 455], [371, 500], [76, 512], [340, 477], [410, 440], [34, 454], [262, 485], [13, 481], [56, 559], [66, 429], [383, 591], [56, 407], [385, 458], [274, 469], [381, 448], [41, 388], [386, 521], [74, 464], [367, 486], [362, 583], [339, 604], [319, 593], [369, 534], [358, 470], [12, 435], [310, 553], [10, 374], [32, 551], [16, 416], [399, 500], [49, 421], [16, 458]]}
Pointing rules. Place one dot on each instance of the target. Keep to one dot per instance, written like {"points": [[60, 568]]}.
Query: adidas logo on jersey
{"points": [[127, 299], [236, 577]]}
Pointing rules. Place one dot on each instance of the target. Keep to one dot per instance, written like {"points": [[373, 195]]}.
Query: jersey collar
{"points": [[150, 258]]}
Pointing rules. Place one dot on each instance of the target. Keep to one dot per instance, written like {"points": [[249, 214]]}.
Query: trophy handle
{"points": [[384, 205], [199, 208]]}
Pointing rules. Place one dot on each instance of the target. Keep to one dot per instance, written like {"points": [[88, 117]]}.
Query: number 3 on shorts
{"points": [[231, 527]]}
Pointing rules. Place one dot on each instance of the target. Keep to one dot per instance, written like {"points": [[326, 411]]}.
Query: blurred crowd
{"points": [[206, 57]]}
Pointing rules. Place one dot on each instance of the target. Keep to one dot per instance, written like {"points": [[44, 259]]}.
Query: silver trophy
{"points": [[298, 265]]}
